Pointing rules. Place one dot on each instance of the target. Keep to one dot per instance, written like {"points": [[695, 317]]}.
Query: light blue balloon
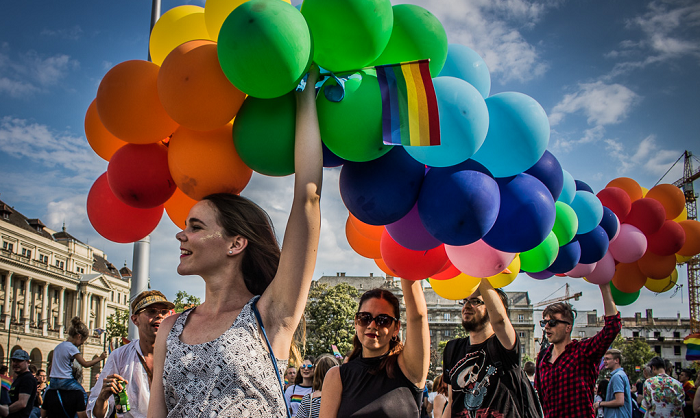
{"points": [[589, 211], [463, 62], [464, 121], [569, 191], [518, 134]]}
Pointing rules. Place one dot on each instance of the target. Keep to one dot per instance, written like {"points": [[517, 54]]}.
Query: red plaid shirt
{"points": [[566, 387]]}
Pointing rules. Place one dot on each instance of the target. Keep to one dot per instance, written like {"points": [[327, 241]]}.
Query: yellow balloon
{"points": [[683, 216], [458, 288], [507, 276], [644, 191], [663, 285], [178, 25], [683, 258], [216, 11]]}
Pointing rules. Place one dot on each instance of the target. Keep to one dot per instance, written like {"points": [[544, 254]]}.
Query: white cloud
{"points": [[561, 143], [32, 72], [73, 33], [646, 155], [602, 104]]}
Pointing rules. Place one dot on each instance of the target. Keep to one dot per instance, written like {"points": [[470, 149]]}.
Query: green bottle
{"points": [[121, 400]]}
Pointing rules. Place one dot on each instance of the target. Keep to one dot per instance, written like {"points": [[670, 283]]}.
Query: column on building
{"points": [[85, 311], [103, 313], [45, 310], [27, 299], [61, 304], [7, 307]]}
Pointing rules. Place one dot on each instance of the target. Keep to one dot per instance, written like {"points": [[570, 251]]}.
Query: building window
{"points": [[27, 253], [657, 349], [657, 334], [676, 350], [61, 265], [676, 334], [446, 316], [447, 333], [521, 318], [431, 332], [635, 334], [521, 334], [678, 367]]}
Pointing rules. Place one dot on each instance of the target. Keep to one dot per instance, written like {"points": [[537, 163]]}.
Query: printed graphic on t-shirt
{"points": [[473, 377]]}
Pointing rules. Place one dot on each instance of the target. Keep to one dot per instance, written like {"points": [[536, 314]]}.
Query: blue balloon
{"points": [[526, 215], [549, 171], [568, 192], [588, 209], [464, 121], [582, 185], [383, 190], [594, 245], [330, 159], [464, 63], [458, 205], [609, 223], [568, 258], [518, 134]]}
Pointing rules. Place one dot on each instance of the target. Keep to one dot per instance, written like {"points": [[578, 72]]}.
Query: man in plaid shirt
{"points": [[567, 369]]}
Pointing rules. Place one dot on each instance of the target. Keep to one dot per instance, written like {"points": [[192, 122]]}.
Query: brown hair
{"points": [[395, 345], [439, 385], [240, 216], [566, 311], [77, 327], [323, 363], [615, 353]]}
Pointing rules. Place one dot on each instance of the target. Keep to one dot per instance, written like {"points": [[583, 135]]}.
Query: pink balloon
{"points": [[581, 270], [630, 245], [604, 270], [478, 259]]}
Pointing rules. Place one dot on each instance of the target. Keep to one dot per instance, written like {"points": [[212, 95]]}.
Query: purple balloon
{"points": [[410, 232], [541, 275], [549, 172]]}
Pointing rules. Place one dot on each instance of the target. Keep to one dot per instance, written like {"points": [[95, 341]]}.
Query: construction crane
{"points": [[566, 296], [685, 183]]}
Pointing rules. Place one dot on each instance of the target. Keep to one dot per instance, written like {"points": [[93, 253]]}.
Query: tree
{"points": [[184, 301], [118, 325], [635, 352], [329, 318], [436, 355]]}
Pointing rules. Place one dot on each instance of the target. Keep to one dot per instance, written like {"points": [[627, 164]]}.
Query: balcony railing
{"points": [[36, 263]]}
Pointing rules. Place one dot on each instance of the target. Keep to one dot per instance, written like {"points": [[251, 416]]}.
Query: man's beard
{"points": [[474, 324]]}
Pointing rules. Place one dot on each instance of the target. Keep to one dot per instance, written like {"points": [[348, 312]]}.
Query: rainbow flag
{"points": [[6, 382], [693, 350], [409, 105]]}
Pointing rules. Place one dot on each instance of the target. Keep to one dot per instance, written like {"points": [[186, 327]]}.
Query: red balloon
{"points": [[409, 264], [115, 220], [646, 214], [617, 200], [139, 176], [667, 240], [655, 266], [449, 271]]}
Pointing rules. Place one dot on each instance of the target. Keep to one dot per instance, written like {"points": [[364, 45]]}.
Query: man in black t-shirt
{"points": [[72, 402], [23, 389]]}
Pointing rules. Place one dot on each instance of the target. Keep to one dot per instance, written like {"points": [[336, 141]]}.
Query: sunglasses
{"points": [[552, 323], [306, 366], [474, 302], [382, 320], [155, 311]]}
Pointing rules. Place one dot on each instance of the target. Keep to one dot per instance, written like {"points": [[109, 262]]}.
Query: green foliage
{"points": [[635, 352], [184, 300], [329, 318], [118, 324], [436, 355]]}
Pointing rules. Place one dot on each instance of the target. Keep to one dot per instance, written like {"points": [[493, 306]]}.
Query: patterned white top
{"points": [[231, 376]]}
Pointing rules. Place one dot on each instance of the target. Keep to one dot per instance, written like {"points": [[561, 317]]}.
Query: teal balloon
{"points": [[568, 192], [540, 257], [622, 298], [264, 48], [518, 134], [350, 34], [263, 133], [464, 121], [464, 63], [417, 34], [352, 128], [588, 209], [565, 224]]}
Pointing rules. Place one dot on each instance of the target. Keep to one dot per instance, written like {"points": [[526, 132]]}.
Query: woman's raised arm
{"points": [[415, 358]]}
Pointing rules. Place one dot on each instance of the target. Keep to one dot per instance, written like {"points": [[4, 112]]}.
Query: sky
{"points": [[617, 78]]}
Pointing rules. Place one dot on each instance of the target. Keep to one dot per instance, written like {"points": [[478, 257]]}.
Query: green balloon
{"points": [[348, 34], [565, 224], [622, 298], [417, 35], [264, 48], [352, 128], [263, 133], [540, 257]]}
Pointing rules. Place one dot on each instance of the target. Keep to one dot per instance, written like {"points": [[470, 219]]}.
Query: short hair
{"points": [[529, 368], [324, 363], [657, 363], [33, 369], [689, 372], [564, 309], [615, 353], [4, 369], [40, 370]]}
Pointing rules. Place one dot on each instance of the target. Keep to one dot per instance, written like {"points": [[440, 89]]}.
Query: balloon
{"points": [[464, 121], [478, 259], [373, 232], [350, 34], [663, 285], [338, 121], [610, 223], [630, 245], [670, 197], [541, 275], [409, 264], [138, 175], [115, 220], [362, 245], [464, 63], [383, 267], [384, 190], [604, 270], [193, 89], [100, 139], [447, 273], [581, 270], [683, 216], [692, 237], [622, 298], [330, 159], [507, 276], [458, 205], [594, 245], [518, 134], [582, 185], [264, 48], [631, 187], [458, 288], [128, 104], [175, 27], [540, 257], [628, 278], [646, 214], [526, 215], [668, 240], [589, 211], [549, 172], [565, 223], [568, 192], [203, 163], [657, 267], [409, 232], [178, 208], [680, 259], [263, 133], [216, 11], [568, 257], [617, 200], [416, 35]]}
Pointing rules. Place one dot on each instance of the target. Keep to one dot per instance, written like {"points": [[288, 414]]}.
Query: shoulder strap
{"points": [[58, 393]]}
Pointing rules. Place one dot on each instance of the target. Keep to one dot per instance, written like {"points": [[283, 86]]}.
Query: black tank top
{"points": [[376, 395]]}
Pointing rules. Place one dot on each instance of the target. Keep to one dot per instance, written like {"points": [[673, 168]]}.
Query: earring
{"points": [[230, 251]]}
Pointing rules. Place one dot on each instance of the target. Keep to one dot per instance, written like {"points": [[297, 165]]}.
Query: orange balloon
{"points": [[203, 163], [657, 267], [128, 103], [373, 232], [692, 238], [383, 267], [178, 207], [633, 189], [362, 245], [100, 139], [671, 197], [628, 278], [193, 89]]}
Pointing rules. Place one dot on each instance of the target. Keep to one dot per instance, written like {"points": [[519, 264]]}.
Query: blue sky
{"points": [[618, 79]]}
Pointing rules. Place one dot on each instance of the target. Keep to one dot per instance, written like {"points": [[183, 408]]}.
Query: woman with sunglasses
{"points": [[310, 404], [383, 378], [302, 385]]}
